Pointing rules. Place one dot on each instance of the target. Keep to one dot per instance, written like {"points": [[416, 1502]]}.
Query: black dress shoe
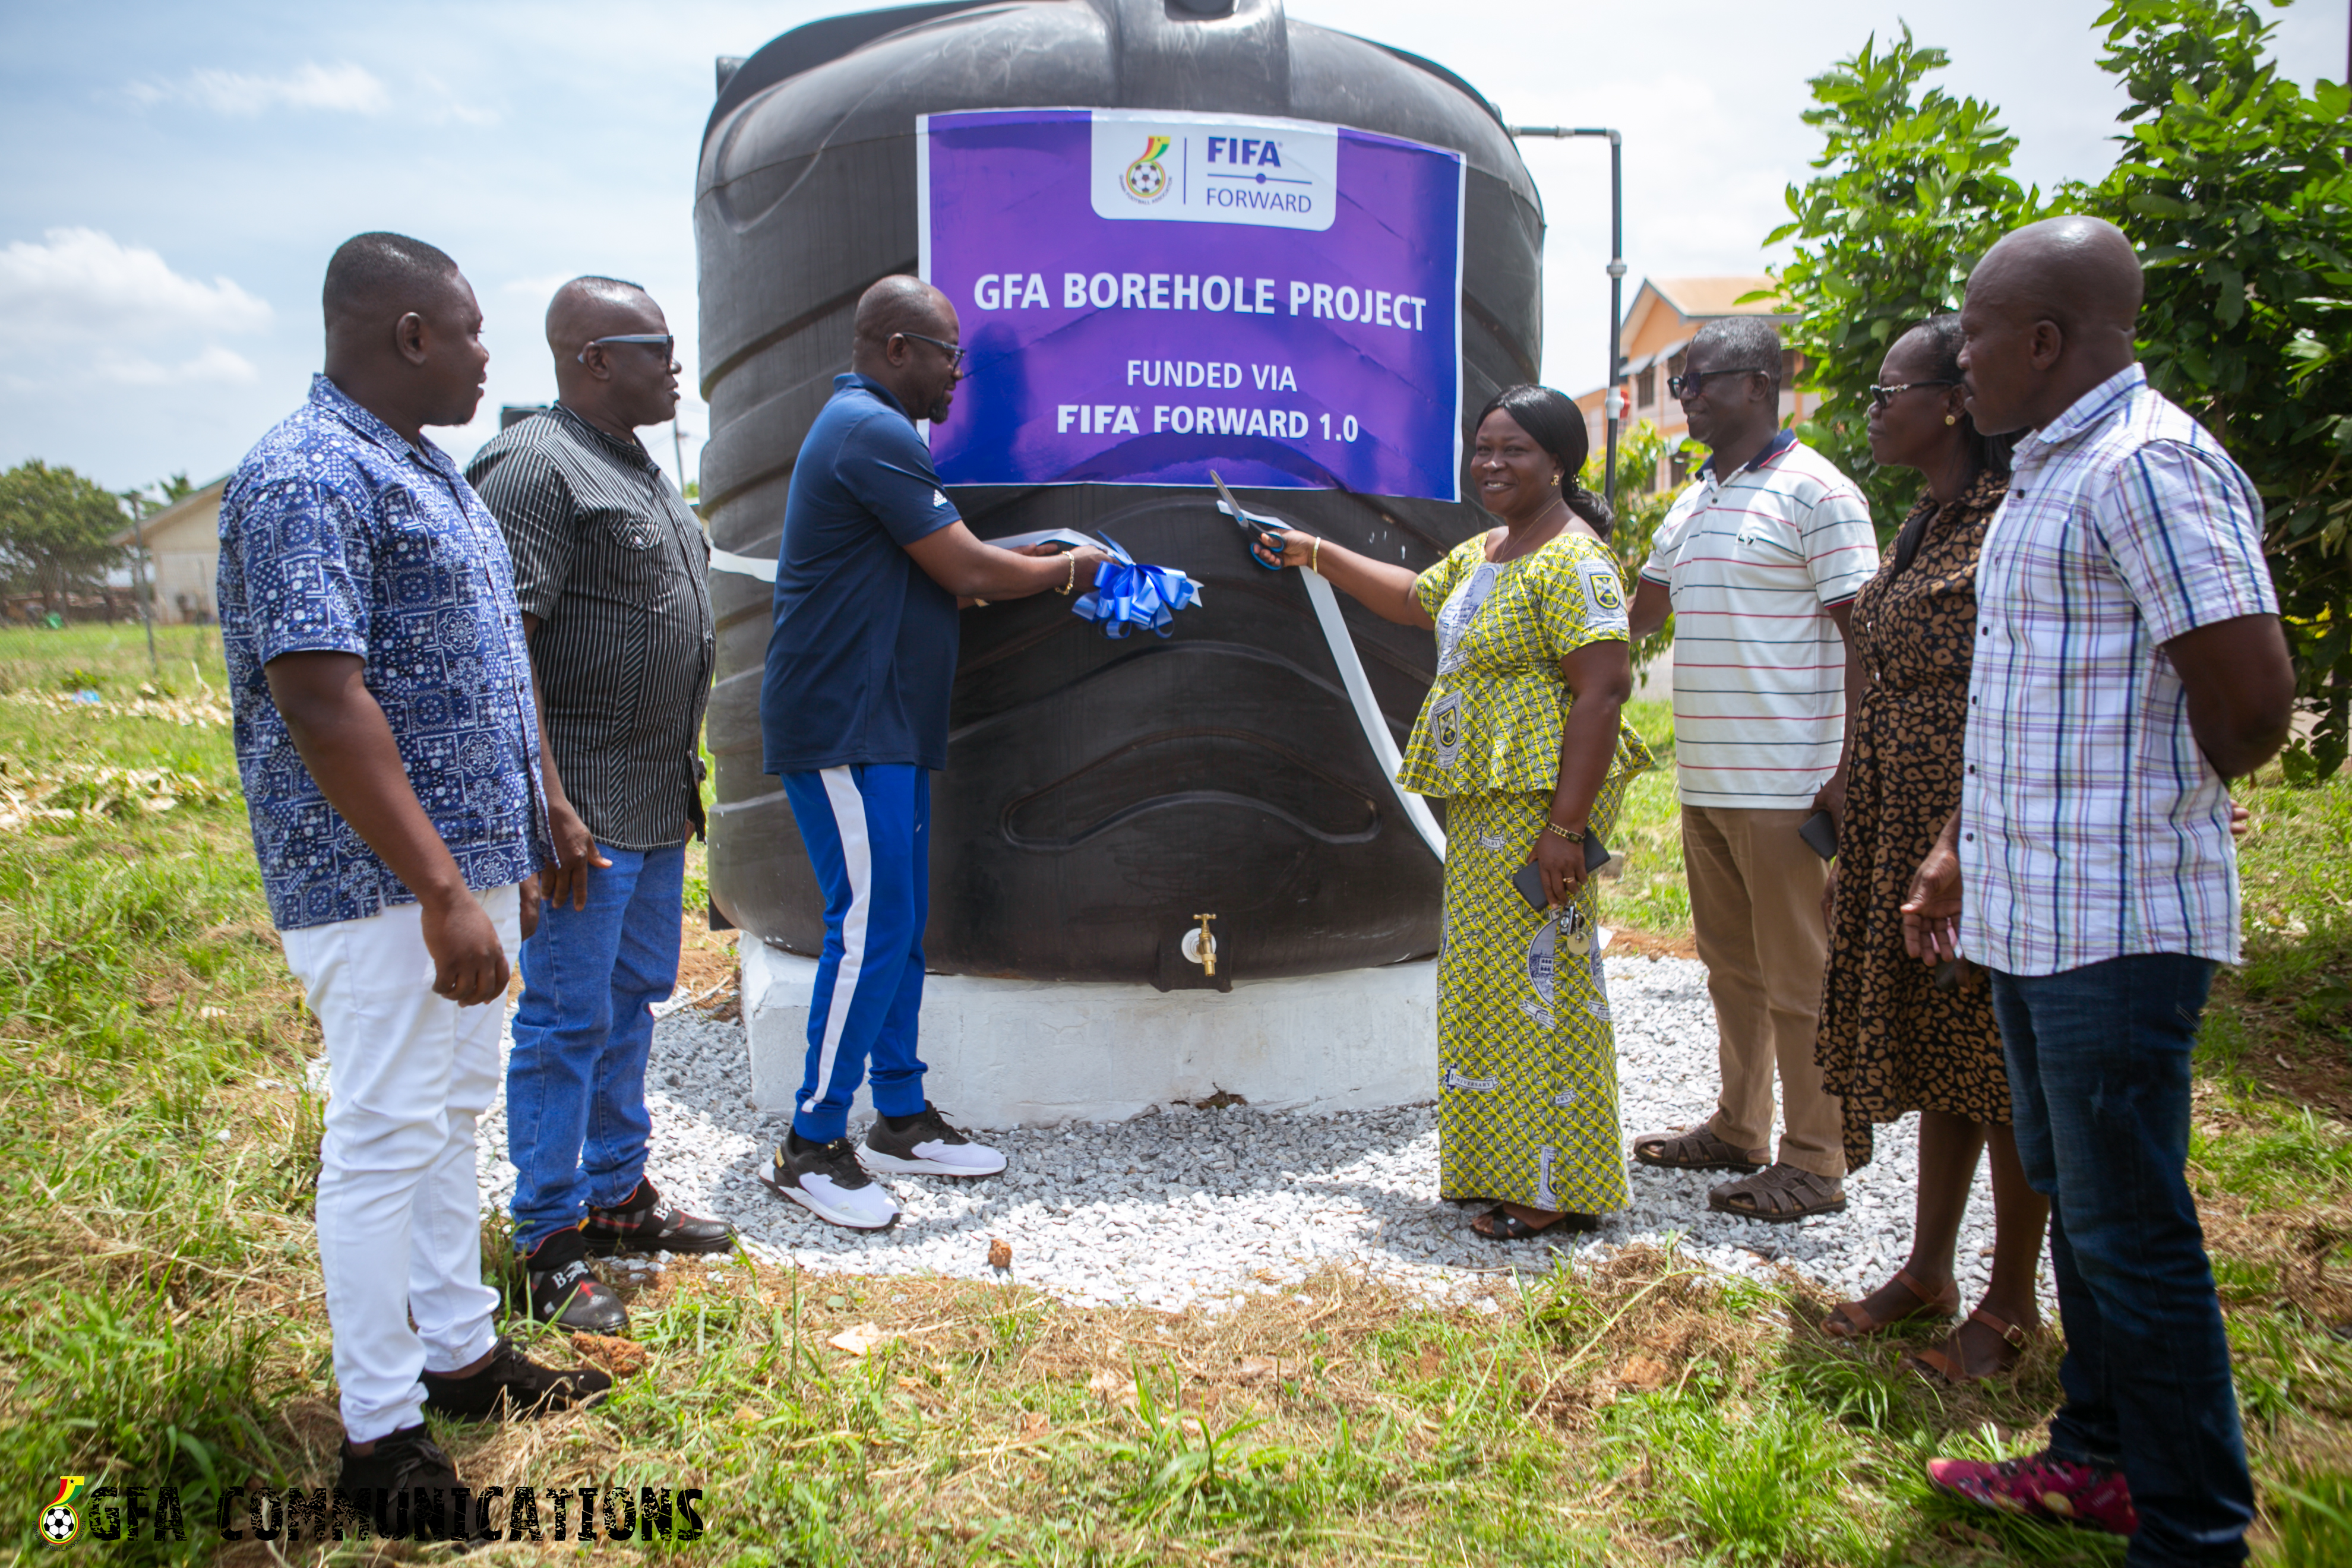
{"points": [[401, 1463], [526, 1387], [564, 1291], [647, 1222]]}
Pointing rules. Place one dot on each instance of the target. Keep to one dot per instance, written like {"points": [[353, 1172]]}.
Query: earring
{"points": [[1951, 419], [1555, 481]]}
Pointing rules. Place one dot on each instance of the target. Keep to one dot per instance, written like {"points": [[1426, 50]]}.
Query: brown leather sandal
{"points": [[1853, 1320], [1780, 1194], [1950, 1370], [1692, 1148]]}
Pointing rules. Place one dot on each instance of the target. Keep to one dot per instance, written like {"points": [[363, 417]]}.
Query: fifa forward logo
{"points": [[59, 1522], [1147, 179]]}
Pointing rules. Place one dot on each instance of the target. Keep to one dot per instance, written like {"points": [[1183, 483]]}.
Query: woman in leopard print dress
{"points": [[1897, 1036]]}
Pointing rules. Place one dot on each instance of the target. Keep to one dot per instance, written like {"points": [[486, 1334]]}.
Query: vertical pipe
{"points": [[138, 580], [1616, 307]]}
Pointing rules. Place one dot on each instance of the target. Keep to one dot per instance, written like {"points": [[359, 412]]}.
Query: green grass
{"points": [[1649, 894], [160, 1319]]}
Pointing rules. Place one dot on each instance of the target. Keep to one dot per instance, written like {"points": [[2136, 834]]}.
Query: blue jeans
{"points": [[576, 1120], [2099, 1074]]}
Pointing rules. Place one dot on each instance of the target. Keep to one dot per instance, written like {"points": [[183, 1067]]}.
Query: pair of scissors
{"points": [[1261, 534]]}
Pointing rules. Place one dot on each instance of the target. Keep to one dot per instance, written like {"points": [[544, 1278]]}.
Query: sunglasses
{"points": [[1880, 396], [665, 342], [1691, 383], [954, 353]]}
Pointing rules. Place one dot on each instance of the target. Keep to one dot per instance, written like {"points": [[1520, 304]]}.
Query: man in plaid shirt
{"points": [[2129, 663]]}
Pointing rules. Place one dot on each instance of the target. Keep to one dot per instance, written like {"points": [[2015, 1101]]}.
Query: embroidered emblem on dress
{"points": [[1544, 1199], [1540, 1013], [1564, 1099], [1491, 841], [1598, 1005], [1539, 959], [1456, 1079], [1459, 611]]}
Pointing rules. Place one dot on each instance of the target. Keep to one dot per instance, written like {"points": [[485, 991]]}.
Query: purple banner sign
{"points": [[1148, 295]]}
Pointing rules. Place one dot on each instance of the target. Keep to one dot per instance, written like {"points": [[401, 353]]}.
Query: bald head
{"points": [[2079, 272], [616, 386], [901, 326], [2050, 315], [900, 304], [590, 308]]}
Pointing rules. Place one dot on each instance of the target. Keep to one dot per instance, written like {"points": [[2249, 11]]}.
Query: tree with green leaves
{"points": [[2232, 183], [56, 532], [1914, 187], [2236, 184]]}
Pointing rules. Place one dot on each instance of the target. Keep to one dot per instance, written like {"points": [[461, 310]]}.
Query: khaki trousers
{"points": [[1756, 909]]}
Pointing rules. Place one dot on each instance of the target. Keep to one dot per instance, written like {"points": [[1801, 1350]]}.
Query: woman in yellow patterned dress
{"points": [[1521, 737]]}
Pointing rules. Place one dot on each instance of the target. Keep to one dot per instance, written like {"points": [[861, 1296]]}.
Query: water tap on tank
{"points": [[1201, 946]]}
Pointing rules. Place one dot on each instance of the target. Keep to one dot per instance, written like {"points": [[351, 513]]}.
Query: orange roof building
{"points": [[1668, 312]]}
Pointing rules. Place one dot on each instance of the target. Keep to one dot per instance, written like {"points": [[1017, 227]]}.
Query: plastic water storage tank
{"points": [[1099, 796]]}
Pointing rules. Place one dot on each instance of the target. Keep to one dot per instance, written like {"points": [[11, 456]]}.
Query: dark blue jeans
{"points": [[2099, 1074], [576, 1120]]}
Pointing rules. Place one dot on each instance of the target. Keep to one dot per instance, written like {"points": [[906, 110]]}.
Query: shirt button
{"points": [[1970, 836]]}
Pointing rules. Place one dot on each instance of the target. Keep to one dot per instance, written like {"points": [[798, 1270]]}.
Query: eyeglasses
{"points": [[954, 353], [663, 341], [1690, 383], [1880, 396]]}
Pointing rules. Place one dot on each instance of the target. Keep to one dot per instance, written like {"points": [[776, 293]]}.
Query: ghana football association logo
{"points": [[59, 1522], [1147, 178]]}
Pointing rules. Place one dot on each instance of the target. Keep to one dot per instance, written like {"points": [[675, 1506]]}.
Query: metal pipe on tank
{"points": [[1609, 401]]}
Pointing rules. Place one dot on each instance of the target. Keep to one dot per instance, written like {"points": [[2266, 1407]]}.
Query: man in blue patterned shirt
{"points": [[391, 761]]}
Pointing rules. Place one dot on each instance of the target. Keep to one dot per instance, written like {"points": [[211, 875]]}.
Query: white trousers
{"points": [[407, 1074]]}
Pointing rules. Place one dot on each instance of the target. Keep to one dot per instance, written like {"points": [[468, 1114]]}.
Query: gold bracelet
{"points": [[1570, 834], [1315, 557], [1065, 589]]}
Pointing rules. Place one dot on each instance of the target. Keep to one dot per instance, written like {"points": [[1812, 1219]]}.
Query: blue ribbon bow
{"points": [[1127, 595]]}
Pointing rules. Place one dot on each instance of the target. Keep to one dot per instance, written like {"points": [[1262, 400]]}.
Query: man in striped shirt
{"points": [[2129, 663], [1760, 560], [612, 573]]}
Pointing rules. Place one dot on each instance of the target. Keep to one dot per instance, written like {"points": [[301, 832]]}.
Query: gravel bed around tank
{"points": [[1181, 1205]]}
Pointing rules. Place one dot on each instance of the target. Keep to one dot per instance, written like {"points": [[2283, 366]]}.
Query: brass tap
{"points": [[1208, 945]]}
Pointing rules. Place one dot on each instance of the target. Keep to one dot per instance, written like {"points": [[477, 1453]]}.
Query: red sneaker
{"points": [[2040, 1487]]}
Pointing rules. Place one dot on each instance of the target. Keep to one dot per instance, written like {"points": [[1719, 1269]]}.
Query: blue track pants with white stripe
{"points": [[868, 833]]}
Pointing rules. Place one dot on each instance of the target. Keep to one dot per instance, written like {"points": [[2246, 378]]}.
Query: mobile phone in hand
{"points": [[1819, 833], [1528, 878]]}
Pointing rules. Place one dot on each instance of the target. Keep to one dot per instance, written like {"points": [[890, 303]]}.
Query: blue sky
{"points": [[178, 174]]}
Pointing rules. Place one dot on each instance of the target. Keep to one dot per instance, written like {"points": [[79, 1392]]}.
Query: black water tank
{"points": [[1099, 796]]}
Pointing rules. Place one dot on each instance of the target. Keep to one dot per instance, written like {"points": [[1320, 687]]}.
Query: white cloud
{"points": [[79, 284], [343, 89], [215, 366]]}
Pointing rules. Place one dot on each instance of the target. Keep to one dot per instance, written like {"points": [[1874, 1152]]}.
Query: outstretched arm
{"points": [[970, 568], [1387, 591]]}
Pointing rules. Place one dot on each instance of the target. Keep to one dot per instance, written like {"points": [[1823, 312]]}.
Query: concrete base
{"points": [[1014, 1053]]}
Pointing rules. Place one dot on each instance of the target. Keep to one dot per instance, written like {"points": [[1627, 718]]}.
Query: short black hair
{"points": [[1557, 425], [1987, 454], [372, 272], [1746, 342]]}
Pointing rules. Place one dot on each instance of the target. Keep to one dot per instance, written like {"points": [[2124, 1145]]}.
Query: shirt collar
{"points": [[1781, 442], [2090, 409], [632, 450], [327, 395], [849, 379]]}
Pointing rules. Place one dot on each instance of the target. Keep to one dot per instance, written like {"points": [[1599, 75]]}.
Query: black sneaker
{"points": [[924, 1144], [646, 1222], [826, 1180], [401, 1462], [563, 1291], [526, 1388]]}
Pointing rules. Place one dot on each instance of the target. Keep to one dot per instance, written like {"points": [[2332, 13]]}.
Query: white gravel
{"points": [[1188, 1205]]}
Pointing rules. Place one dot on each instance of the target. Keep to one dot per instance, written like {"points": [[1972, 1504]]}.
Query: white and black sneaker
{"points": [[826, 1180], [924, 1144]]}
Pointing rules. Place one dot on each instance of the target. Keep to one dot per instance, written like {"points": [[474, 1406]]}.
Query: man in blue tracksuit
{"points": [[854, 716]]}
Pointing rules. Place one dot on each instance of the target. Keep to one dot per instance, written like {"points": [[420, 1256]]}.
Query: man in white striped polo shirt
{"points": [[1760, 560]]}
